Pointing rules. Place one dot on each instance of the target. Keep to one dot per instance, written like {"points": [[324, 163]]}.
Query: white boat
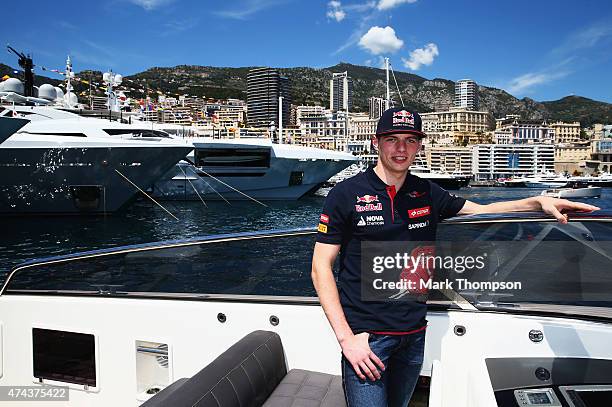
{"points": [[548, 180], [600, 180], [444, 179], [588, 192], [236, 169], [61, 163], [115, 327]]}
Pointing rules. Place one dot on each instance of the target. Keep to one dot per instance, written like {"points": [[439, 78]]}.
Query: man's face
{"points": [[396, 152]]}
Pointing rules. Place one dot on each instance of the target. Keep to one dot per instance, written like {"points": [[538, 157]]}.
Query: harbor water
{"points": [[28, 237]]}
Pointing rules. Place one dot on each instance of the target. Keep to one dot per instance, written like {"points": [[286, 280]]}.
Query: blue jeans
{"points": [[402, 356]]}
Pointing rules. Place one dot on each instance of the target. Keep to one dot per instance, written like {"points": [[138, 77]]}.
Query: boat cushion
{"points": [[303, 388], [245, 375]]}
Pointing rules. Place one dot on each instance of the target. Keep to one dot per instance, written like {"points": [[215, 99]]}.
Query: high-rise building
{"points": [[376, 107], [466, 94], [341, 92], [264, 86]]}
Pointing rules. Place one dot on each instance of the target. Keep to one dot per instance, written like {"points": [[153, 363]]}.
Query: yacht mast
{"points": [[69, 75], [388, 100], [280, 120]]}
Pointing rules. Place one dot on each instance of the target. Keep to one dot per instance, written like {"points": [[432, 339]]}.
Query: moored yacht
{"points": [[236, 169], [147, 323], [70, 172], [445, 180]]}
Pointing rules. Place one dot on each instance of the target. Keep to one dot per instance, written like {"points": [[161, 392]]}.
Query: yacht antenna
{"points": [[25, 62]]}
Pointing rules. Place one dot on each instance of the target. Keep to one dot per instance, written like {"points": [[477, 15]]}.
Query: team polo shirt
{"points": [[364, 208]]}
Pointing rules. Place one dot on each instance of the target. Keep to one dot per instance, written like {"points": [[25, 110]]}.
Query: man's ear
{"points": [[375, 142]]}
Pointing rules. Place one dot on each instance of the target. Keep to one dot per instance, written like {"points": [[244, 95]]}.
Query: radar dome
{"points": [[106, 76], [60, 93], [47, 92], [13, 85], [118, 79], [72, 99]]}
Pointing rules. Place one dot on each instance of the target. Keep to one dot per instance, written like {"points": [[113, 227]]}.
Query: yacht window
{"points": [[137, 133], [233, 157], [57, 134]]}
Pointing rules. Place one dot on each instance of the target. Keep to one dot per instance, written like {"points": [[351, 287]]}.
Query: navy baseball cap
{"points": [[399, 120]]}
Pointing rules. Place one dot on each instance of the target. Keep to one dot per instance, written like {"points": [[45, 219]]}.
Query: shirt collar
{"points": [[378, 184]]}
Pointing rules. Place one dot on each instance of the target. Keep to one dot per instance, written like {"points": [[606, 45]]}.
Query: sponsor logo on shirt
{"points": [[377, 220], [416, 194], [324, 218], [367, 199], [371, 220], [418, 225], [369, 207], [322, 228], [418, 212]]}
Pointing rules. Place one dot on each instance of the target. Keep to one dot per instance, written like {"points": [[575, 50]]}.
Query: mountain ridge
{"points": [[311, 86]]}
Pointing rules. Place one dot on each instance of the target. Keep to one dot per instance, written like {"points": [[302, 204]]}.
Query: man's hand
{"points": [[555, 206], [357, 351]]}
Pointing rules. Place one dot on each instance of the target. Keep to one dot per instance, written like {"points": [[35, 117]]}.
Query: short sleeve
{"points": [[334, 218], [447, 204]]}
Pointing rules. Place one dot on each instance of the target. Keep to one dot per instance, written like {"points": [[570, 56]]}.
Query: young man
{"points": [[382, 342]]}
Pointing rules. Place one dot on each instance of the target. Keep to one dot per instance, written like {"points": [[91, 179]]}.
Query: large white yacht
{"points": [[61, 163], [233, 320], [238, 169]]}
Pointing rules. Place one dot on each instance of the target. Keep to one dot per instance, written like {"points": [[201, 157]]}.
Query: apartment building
{"points": [[340, 92], [450, 159], [493, 161], [466, 94], [566, 132]]}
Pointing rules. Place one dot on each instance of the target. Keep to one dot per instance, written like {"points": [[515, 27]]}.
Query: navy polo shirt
{"points": [[364, 208]]}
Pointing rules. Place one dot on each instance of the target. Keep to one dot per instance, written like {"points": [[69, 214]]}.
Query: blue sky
{"points": [[541, 49]]}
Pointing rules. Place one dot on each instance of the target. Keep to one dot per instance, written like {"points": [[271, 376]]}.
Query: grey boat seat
{"points": [[252, 373]]}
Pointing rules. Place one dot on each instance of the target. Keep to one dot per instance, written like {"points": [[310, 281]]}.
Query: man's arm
{"points": [[354, 347], [552, 206]]}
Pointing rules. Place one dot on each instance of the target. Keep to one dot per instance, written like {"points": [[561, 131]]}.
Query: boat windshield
{"points": [[560, 268]]}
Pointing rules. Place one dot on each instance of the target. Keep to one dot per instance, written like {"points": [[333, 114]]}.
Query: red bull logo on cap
{"points": [[367, 199], [403, 117]]}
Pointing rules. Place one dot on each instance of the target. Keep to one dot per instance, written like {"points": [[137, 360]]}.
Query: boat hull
{"points": [[545, 184], [453, 183], [591, 192], [285, 179], [78, 180]]}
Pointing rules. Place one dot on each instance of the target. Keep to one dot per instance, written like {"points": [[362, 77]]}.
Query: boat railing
{"points": [[556, 263]]}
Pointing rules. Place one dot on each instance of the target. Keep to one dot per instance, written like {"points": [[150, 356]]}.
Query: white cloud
{"points": [[522, 84], [389, 4], [421, 56], [337, 15], [334, 11], [150, 4], [247, 8], [380, 40]]}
